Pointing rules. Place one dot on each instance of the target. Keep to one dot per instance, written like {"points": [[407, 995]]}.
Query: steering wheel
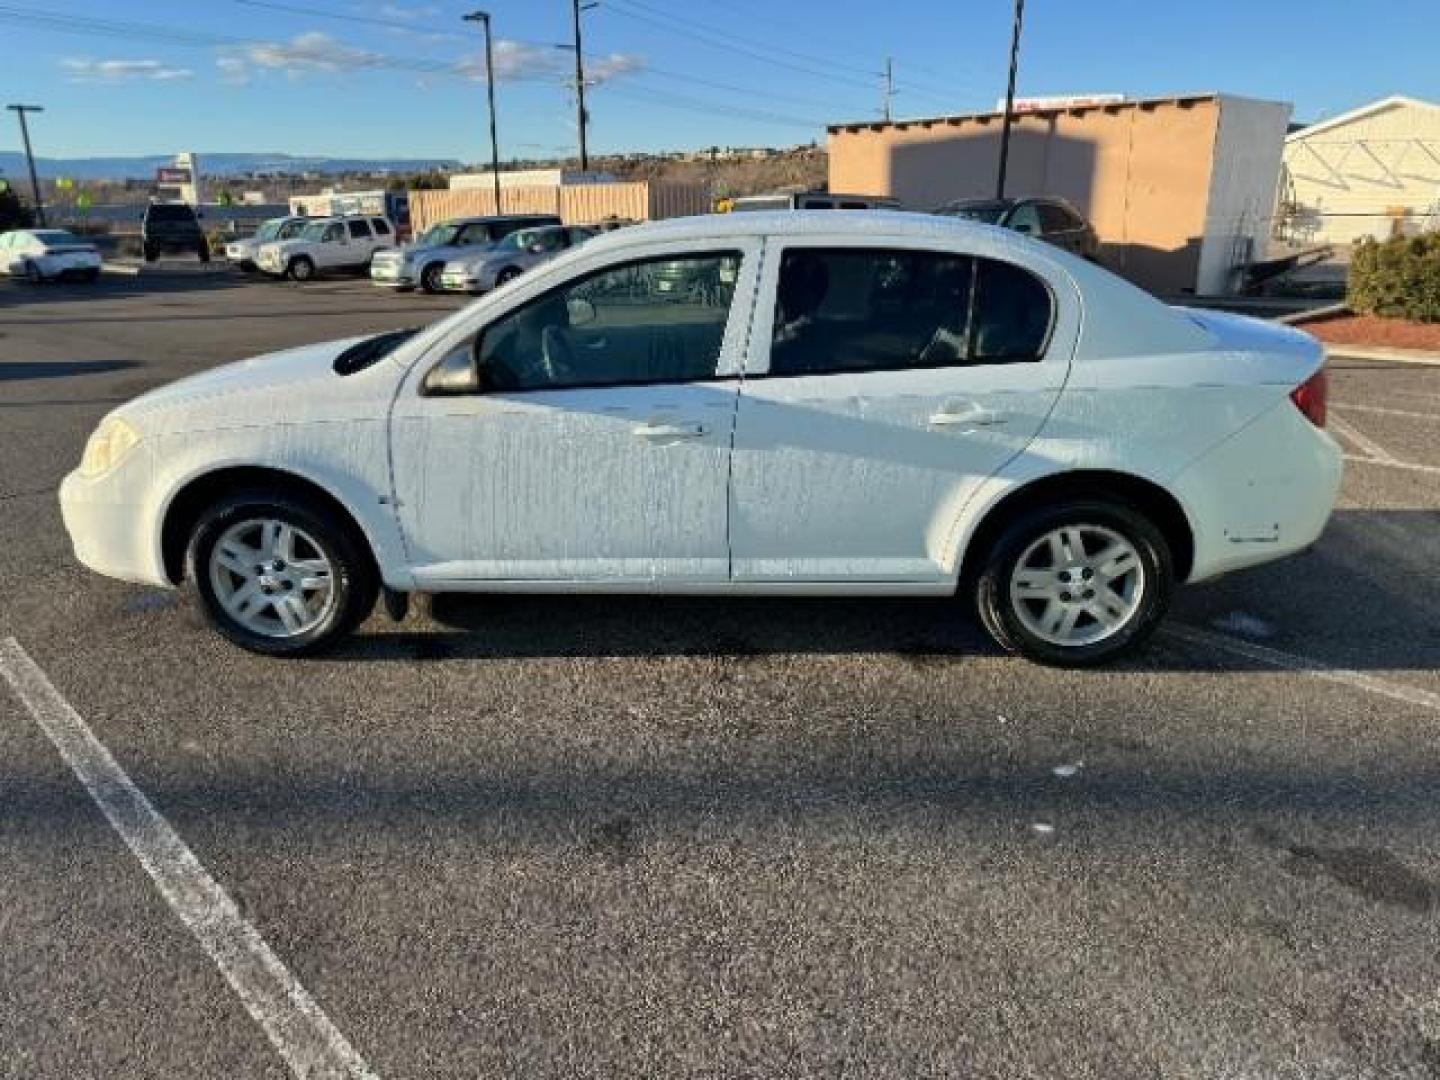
{"points": [[557, 356]]}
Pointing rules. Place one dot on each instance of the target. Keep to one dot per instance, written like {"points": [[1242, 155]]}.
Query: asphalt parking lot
{"points": [[604, 837]]}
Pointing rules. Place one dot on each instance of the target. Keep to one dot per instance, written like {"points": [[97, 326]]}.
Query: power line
{"points": [[677, 101], [717, 43]]}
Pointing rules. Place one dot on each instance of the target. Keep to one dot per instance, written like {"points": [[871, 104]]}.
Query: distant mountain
{"points": [[12, 165]]}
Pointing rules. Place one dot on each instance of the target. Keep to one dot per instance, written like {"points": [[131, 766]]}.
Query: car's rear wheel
{"points": [[301, 268], [430, 277], [1075, 584], [33, 274], [279, 576]]}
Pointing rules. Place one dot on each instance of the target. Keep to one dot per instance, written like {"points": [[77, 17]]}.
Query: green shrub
{"points": [[1397, 278]]}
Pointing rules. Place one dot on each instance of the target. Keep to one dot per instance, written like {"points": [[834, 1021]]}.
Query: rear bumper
{"points": [[1264, 493]]}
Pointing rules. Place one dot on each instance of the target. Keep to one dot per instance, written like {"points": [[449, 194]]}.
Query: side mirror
{"points": [[580, 310], [457, 373]]}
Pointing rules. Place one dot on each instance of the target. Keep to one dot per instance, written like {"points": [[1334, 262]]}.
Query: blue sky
{"points": [[399, 77]]}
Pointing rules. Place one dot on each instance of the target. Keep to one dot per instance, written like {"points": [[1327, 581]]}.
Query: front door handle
{"points": [[966, 417], [668, 431]]}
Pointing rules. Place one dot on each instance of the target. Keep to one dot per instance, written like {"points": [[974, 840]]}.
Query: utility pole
{"points": [[483, 18], [1009, 98], [889, 85], [20, 111], [582, 118]]}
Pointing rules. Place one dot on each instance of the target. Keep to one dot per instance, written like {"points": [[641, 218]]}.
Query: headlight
{"points": [[112, 442]]}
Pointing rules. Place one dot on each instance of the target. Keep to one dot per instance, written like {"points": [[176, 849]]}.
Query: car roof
{"points": [[785, 223]]}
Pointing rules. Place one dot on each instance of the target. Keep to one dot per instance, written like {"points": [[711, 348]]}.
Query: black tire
{"points": [[151, 252], [509, 274], [430, 277], [355, 582], [998, 612], [300, 268], [33, 274], [204, 251]]}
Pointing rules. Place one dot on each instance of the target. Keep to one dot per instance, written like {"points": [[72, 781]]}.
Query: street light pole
{"points": [[1009, 99], [483, 17], [576, 7], [20, 111]]}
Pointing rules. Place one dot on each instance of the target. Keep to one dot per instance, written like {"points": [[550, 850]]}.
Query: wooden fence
{"points": [[576, 204]]}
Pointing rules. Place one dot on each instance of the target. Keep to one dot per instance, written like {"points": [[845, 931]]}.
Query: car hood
{"points": [[430, 252], [292, 386]]}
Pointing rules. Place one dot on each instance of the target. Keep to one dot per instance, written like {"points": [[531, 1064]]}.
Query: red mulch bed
{"points": [[1371, 330]]}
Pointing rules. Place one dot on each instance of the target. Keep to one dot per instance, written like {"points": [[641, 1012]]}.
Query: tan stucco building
{"points": [[1373, 171], [1181, 189]]}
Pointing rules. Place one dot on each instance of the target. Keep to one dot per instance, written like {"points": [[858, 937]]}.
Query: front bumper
{"points": [[110, 528], [460, 281], [392, 276]]}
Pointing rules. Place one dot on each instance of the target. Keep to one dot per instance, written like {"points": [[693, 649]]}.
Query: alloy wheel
{"points": [[272, 578], [1077, 585]]}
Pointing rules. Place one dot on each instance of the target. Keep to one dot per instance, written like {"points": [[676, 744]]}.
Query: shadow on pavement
{"points": [[17, 370], [1364, 597]]}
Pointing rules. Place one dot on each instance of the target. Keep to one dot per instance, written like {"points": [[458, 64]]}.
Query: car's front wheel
{"points": [[301, 268], [278, 575], [430, 277], [33, 274], [1076, 583]]}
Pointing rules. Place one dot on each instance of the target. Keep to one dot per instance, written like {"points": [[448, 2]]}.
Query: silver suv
{"points": [[423, 262]]}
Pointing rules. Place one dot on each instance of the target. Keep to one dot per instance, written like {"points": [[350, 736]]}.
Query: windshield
{"points": [[56, 237], [442, 235], [989, 213], [269, 231]]}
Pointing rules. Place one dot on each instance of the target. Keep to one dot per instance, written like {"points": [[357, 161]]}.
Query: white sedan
{"points": [[865, 405], [48, 255]]}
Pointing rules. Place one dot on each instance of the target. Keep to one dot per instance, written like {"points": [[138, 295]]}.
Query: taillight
{"points": [[1309, 397]]}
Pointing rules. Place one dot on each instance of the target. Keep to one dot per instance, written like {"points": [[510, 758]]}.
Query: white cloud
{"points": [[395, 11], [115, 71], [308, 52], [233, 70], [516, 60]]}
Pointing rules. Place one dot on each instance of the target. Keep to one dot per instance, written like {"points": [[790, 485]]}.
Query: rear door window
{"points": [[842, 310], [360, 230], [382, 227], [1025, 218], [1055, 219]]}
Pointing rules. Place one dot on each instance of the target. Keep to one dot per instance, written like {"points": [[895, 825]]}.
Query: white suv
{"points": [[327, 245]]}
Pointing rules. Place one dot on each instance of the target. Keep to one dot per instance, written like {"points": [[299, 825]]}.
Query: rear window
{"points": [[169, 212], [868, 309], [382, 227]]}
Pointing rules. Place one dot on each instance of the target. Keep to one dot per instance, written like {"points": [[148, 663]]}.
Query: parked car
{"points": [[878, 404], [810, 200], [423, 262], [48, 255], [1052, 220], [327, 246], [169, 227], [511, 257], [241, 253]]}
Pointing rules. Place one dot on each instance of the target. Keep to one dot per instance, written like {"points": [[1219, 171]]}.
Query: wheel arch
{"points": [[190, 501], [1145, 496]]}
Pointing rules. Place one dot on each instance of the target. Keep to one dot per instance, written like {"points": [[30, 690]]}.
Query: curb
{"points": [[1298, 318], [1401, 356]]}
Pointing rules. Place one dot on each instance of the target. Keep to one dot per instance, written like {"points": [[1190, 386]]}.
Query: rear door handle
{"points": [[668, 431], [962, 417]]}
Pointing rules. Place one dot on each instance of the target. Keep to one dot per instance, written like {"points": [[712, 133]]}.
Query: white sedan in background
{"points": [[48, 255], [508, 258], [865, 405]]}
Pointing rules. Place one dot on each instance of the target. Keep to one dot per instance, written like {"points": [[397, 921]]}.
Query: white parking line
{"points": [[1393, 464], [310, 1044], [1373, 684], [1364, 442], [1391, 412]]}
